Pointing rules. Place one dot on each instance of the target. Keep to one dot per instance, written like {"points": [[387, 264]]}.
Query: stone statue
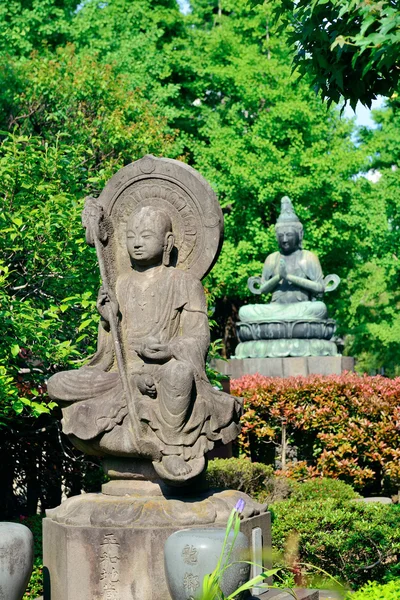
{"points": [[143, 402], [157, 229], [295, 323]]}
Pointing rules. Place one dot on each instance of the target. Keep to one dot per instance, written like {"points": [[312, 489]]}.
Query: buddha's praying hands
{"points": [[296, 311]]}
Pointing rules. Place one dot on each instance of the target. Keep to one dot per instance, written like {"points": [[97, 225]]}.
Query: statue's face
{"points": [[145, 240], [288, 239]]}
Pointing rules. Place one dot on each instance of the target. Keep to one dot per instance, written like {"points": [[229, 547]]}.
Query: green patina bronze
{"points": [[295, 322]]}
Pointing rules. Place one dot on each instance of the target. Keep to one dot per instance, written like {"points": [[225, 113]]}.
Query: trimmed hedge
{"points": [[343, 426], [255, 479], [352, 541], [323, 489]]}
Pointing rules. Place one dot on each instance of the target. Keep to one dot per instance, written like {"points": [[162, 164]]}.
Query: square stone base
{"points": [[285, 367], [114, 563]]}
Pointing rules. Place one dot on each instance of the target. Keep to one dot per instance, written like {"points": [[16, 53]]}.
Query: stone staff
{"points": [[94, 222]]}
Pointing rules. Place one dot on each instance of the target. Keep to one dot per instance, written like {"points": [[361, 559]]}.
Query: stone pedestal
{"points": [[285, 367], [105, 547]]}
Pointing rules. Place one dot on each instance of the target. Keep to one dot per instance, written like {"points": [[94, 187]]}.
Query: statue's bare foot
{"points": [[176, 465]]}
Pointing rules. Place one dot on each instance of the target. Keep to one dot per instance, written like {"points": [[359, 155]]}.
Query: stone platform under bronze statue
{"points": [[111, 545], [285, 367]]}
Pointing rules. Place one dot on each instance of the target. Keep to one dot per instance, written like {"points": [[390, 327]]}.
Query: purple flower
{"points": [[239, 506]]}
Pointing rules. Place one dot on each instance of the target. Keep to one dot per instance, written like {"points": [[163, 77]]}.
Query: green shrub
{"points": [[343, 539], [255, 479], [323, 489], [376, 591]]}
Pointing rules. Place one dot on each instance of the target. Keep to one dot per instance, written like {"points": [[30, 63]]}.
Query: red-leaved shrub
{"points": [[343, 426]]}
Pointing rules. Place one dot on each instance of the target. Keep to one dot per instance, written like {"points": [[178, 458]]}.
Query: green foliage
{"points": [[376, 591], [74, 124], [257, 135], [215, 377], [27, 25], [373, 316], [352, 541], [348, 48], [318, 490], [134, 37], [255, 479]]}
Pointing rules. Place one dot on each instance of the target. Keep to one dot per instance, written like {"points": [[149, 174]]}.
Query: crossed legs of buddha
{"points": [[173, 386]]}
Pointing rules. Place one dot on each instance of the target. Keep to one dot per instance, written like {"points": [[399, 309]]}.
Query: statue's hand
{"points": [[106, 300], [331, 282], [155, 351], [282, 269], [147, 386], [254, 284]]}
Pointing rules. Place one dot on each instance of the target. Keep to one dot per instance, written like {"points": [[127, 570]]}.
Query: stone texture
{"points": [[270, 330], [285, 347], [347, 363], [295, 367], [285, 367], [379, 499], [99, 547], [157, 230], [330, 595], [16, 560]]}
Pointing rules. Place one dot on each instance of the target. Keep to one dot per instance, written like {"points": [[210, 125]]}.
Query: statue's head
{"points": [[288, 228], [149, 237]]}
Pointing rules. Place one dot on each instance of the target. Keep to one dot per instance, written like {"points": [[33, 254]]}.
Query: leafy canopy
{"points": [[348, 48], [74, 122]]}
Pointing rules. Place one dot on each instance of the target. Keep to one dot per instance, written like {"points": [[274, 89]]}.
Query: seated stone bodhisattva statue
{"points": [[295, 322], [145, 392]]}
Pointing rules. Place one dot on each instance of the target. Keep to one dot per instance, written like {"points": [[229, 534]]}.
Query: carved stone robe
{"points": [[169, 308]]}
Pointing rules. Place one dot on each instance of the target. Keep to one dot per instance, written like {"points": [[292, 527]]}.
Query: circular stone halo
{"points": [[179, 190]]}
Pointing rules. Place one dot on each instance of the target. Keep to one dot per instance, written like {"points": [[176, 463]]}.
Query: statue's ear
{"points": [[169, 242]]}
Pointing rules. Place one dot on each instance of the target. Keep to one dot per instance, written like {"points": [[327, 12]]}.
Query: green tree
{"points": [[257, 135], [374, 309], [27, 25], [132, 36], [74, 124], [348, 48]]}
